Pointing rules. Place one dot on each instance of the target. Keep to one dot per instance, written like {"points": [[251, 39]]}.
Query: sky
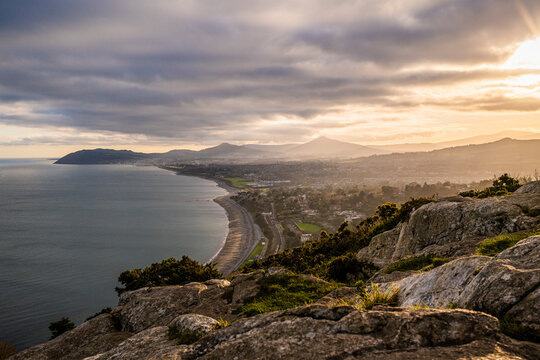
{"points": [[158, 75]]}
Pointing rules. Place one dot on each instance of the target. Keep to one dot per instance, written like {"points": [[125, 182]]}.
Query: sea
{"points": [[68, 231]]}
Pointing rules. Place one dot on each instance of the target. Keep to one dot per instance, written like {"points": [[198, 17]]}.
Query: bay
{"points": [[67, 231]]}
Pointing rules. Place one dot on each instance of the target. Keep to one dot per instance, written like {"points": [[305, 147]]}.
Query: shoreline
{"points": [[242, 236]]}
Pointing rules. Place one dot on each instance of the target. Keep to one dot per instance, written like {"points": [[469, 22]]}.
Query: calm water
{"points": [[67, 231]]}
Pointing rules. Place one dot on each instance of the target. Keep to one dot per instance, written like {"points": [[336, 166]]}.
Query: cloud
{"points": [[211, 70]]}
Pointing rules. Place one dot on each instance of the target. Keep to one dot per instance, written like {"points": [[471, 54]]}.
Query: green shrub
{"points": [[167, 272], [347, 269], [61, 326], [427, 262], [280, 292], [495, 245], [183, 337], [503, 185]]}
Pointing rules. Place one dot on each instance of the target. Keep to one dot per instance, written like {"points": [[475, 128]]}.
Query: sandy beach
{"points": [[242, 238], [243, 235]]}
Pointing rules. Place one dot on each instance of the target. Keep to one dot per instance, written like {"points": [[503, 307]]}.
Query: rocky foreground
{"points": [[452, 311]]}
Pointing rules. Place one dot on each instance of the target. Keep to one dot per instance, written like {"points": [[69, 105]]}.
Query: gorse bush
{"points": [[503, 185], [167, 272], [495, 245]]}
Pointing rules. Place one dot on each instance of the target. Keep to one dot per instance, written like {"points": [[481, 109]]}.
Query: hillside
{"points": [[506, 155], [103, 156], [437, 294]]}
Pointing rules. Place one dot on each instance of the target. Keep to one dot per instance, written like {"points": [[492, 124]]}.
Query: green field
{"points": [[308, 228], [256, 252], [238, 182]]}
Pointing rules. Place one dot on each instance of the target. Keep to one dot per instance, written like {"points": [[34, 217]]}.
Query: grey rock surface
{"points": [[342, 332], [441, 286], [150, 344], [194, 323], [91, 337]]}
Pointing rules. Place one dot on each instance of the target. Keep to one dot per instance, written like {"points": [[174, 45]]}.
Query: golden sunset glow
{"points": [[269, 72], [527, 56]]}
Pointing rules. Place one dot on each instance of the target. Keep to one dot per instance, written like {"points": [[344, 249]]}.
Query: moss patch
{"points": [[280, 292], [495, 245], [422, 262], [509, 326], [183, 337]]}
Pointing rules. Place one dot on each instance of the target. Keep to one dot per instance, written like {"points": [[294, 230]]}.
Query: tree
{"points": [[507, 183], [61, 326]]}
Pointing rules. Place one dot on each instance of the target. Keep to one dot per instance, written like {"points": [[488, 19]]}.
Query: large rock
{"points": [[320, 332], [507, 284], [148, 307], [381, 248], [454, 226], [91, 337], [506, 280], [194, 323], [441, 286]]}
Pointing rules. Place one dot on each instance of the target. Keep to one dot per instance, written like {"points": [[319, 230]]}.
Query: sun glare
{"points": [[527, 56]]}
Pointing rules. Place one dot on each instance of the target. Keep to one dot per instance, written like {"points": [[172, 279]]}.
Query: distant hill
{"points": [[102, 156], [475, 140], [324, 148], [504, 154]]}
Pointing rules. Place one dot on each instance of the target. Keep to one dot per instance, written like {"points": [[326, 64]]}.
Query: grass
{"points": [[308, 228], [238, 182], [422, 262], [280, 292], [495, 245], [222, 323], [256, 252], [376, 297]]}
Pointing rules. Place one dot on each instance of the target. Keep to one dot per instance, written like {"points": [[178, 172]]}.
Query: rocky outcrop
{"points": [[507, 284], [381, 248], [150, 344], [320, 332], [325, 330], [93, 336], [454, 226]]}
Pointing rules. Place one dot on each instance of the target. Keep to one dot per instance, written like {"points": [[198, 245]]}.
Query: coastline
{"points": [[243, 235]]}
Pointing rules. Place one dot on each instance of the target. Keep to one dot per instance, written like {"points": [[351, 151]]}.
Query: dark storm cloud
{"points": [[202, 69]]}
